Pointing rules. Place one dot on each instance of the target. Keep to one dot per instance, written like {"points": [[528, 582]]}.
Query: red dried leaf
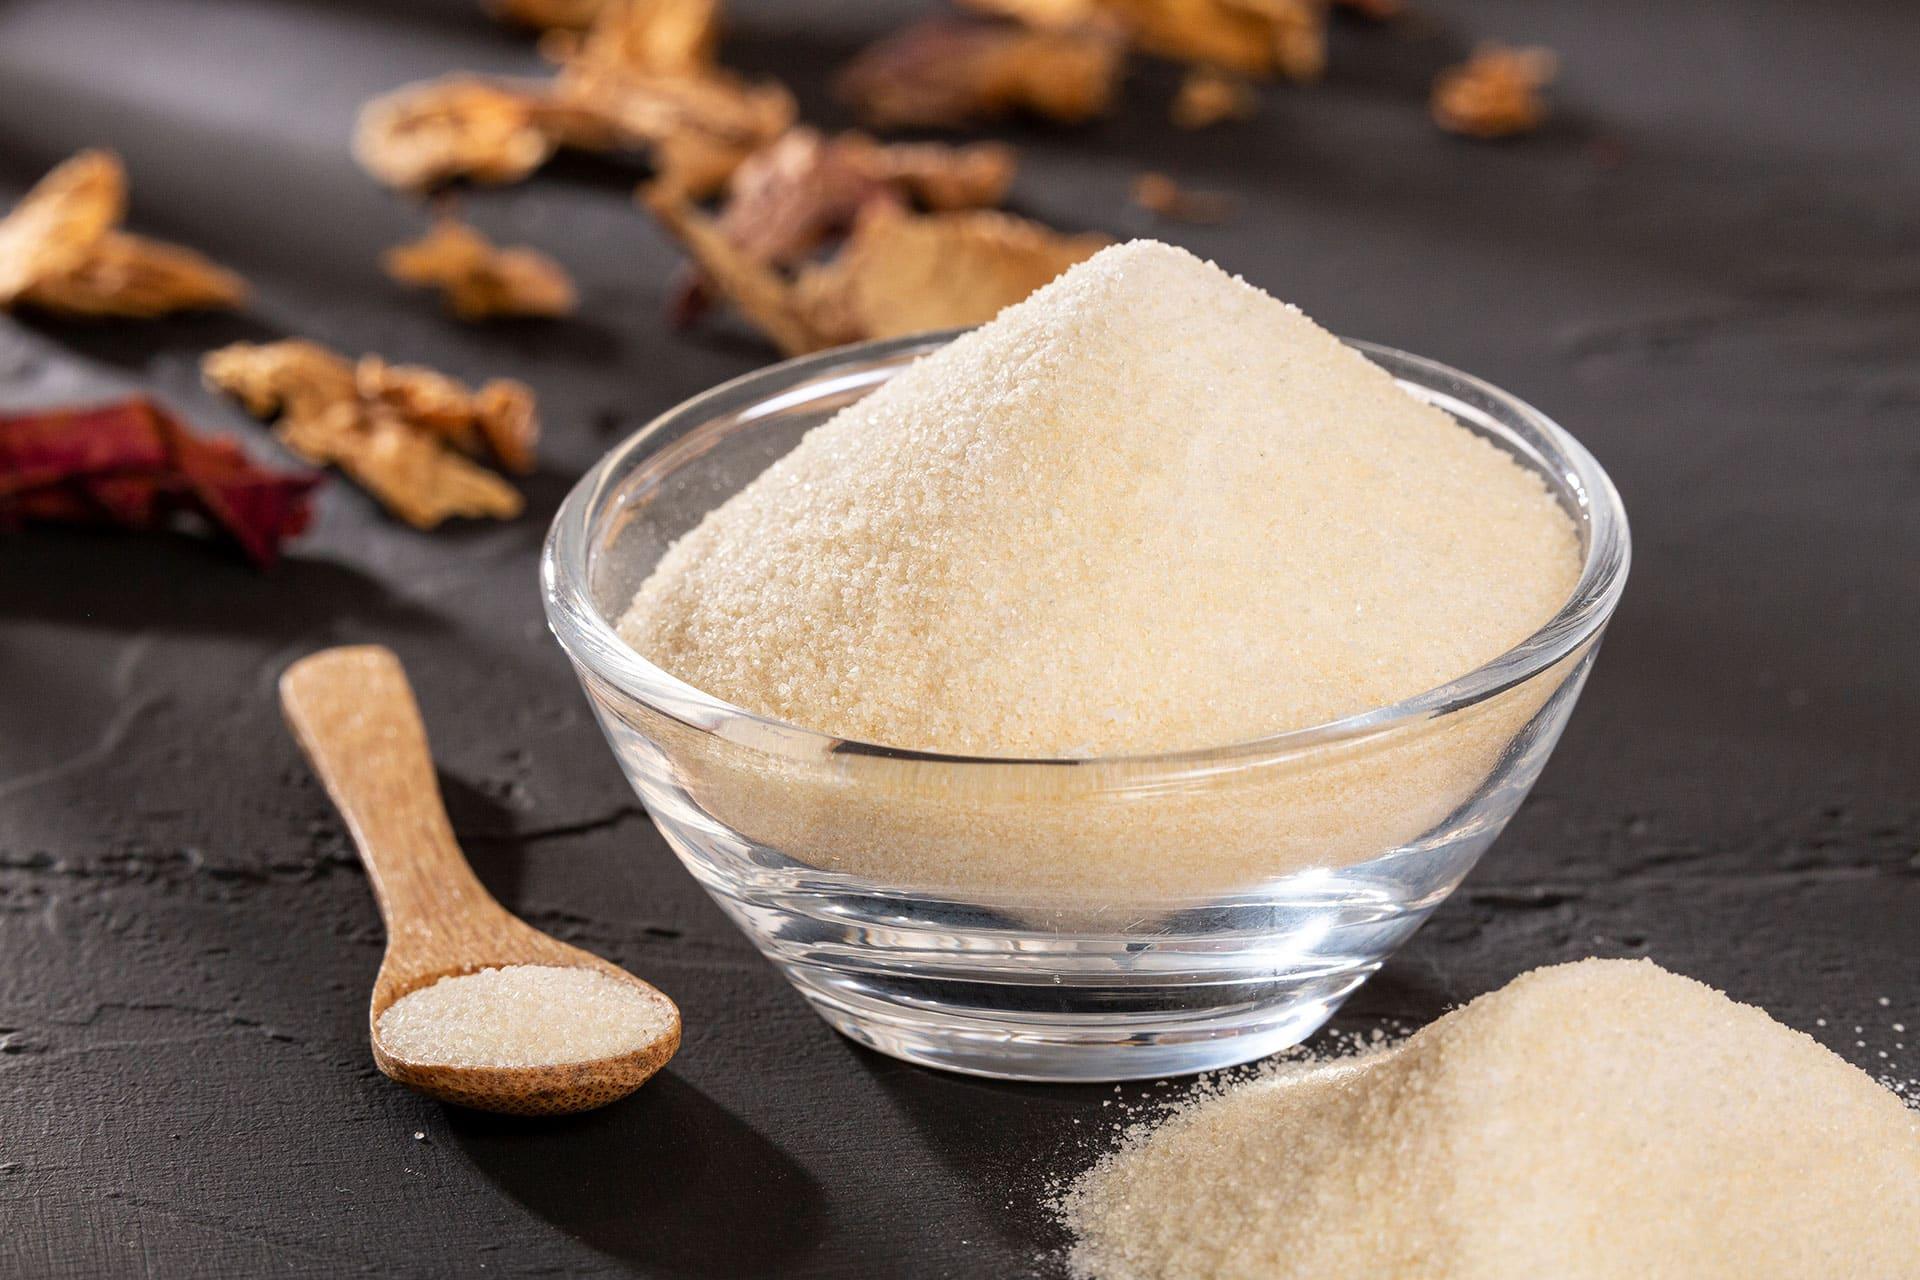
{"points": [[135, 465]]}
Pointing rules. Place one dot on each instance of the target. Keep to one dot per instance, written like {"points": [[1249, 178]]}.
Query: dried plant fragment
{"points": [[898, 273], [651, 37], [410, 474], [806, 189], [1164, 198], [1495, 93], [939, 176], [1247, 37], [293, 377], [399, 430], [903, 273], [56, 226], [60, 250], [1209, 97], [129, 275], [423, 135], [134, 465], [1374, 10], [549, 15], [503, 410], [763, 295], [480, 279], [948, 72]]}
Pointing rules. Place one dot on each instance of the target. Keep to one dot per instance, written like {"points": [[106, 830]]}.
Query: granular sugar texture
{"points": [[1605, 1120], [1149, 508], [523, 1015]]}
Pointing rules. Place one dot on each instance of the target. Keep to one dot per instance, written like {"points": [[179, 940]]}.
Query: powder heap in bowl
{"points": [[1150, 508], [523, 1015], [1605, 1120]]}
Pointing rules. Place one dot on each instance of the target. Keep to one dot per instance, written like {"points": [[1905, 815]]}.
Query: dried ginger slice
{"points": [[58, 224], [1495, 93], [422, 135], [423, 398], [945, 72], [903, 273], [129, 275], [480, 279]]}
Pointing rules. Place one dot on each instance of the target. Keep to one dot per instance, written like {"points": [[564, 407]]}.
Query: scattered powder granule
{"points": [[1605, 1120], [523, 1015], [1149, 508]]}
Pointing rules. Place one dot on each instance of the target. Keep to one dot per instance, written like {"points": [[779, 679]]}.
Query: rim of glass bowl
{"points": [[591, 640]]}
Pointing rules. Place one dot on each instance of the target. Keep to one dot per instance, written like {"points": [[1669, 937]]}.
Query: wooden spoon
{"points": [[354, 715]]}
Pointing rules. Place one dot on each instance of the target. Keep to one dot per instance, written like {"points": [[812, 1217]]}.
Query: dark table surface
{"points": [[1708, 268]]}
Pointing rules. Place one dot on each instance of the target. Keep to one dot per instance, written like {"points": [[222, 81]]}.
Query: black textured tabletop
{"points": [[1707, 267]]}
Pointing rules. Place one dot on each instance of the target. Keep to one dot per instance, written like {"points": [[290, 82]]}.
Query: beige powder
{"points": [[1605, 1120], [1149, 508], [523, 1015]]}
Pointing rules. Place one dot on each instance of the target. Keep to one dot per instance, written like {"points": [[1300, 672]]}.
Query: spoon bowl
{"points": [[354, 715]]}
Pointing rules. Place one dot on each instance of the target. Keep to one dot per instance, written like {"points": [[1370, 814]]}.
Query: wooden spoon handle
{"points": [[353, 713]]}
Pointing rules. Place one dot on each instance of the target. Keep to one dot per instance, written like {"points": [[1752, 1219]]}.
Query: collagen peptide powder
{"points": [[522, 1015], [1605, 1120], [1149, 508]]}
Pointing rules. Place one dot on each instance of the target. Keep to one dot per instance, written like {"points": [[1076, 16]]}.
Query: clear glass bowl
{"points": [[1171, 913]]}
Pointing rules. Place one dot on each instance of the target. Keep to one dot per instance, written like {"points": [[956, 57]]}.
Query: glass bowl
{"points": [[1087, 919]]}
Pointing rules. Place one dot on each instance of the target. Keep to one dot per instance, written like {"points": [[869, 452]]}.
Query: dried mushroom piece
{"points": [[423, 135], [1208, 97], [806, 189], [401, 431], [129, 275], [652, 37], [763, 295], [1373, 10], [548, 15], [503, 410], [1161, 196], [292, 377], [697, 129], [423, 398], [56, 225], [946, 72], [1495, 93], [480, 279], [903, 273], [1248, 37], [898, 273], [412, 476], [61, 250]]}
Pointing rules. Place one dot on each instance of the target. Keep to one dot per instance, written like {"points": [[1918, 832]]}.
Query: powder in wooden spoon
{"points": [[523, 1015], [1149, 508], [1605, 1120]]}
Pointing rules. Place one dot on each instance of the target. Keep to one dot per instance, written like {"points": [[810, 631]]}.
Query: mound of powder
{"points": [[1149, 508], [1605, 1120], [522, 1015]]}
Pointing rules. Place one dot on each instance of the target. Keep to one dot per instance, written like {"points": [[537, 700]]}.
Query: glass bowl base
{"points": [[1066, 1048]]}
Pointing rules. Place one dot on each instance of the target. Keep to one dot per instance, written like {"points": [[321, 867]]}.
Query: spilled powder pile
{"points": [[1149, 508], [523, 1015], [1605, 1120]]}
